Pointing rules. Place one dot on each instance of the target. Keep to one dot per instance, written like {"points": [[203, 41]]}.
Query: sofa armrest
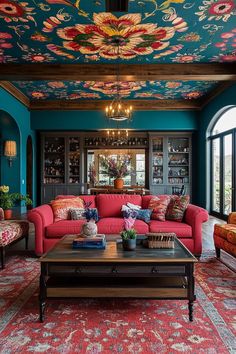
{"points": [[195, 216], [232, 218], [41, 217]]}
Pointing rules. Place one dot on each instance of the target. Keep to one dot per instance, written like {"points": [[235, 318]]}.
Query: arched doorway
{"points": [[223, 164], [29, 168]]}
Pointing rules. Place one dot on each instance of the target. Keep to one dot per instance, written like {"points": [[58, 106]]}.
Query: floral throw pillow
{"points": [[61, 207], [158, 205], [177, 207]]}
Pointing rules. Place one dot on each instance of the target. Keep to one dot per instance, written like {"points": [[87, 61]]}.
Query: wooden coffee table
{"points": [[143, 273]]}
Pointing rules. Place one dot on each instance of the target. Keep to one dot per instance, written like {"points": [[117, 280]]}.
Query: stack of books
{"points": [[98, 242]]}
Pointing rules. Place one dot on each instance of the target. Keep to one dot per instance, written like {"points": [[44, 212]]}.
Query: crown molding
{"points": [[15, 92]]}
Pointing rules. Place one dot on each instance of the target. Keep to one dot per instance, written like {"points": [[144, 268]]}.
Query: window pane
{"points": [[140, 165], [140, 178], [140, 157], [227, 174], [216, 174], [226, 122]]}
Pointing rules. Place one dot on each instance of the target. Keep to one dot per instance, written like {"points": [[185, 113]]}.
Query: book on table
{"points": [[98, 241]]}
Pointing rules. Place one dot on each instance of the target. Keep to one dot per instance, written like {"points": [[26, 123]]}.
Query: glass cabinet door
{"points": [[178, 161], [157, 160], [74, 160], [54, 160]]}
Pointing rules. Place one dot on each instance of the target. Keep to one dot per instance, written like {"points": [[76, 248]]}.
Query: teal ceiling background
{"points": [[153, 31], [76, 90]]}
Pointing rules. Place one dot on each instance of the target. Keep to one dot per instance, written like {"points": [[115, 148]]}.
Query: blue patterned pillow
{"points": [[144, 214]]}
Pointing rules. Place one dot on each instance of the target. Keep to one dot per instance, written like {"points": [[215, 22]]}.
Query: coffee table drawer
{"points": [[116, 269]]}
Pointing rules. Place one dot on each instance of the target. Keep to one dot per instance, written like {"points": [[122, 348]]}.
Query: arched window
{"points": [[223, 164]]}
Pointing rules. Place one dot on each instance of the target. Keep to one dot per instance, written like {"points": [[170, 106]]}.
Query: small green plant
{"points": [[128, 234], [8, 200]]}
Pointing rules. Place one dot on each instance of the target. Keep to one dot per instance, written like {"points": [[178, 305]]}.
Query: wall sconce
{"points": [[10, 151]]}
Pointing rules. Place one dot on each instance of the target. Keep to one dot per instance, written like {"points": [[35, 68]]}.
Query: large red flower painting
{"points": [[113, 37]]}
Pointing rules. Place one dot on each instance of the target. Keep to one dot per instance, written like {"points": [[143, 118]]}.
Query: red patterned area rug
{"points": [[117, 326]]}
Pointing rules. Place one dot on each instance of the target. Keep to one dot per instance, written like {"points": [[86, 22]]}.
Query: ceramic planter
{"points": [[118, 183], [129, 245]]}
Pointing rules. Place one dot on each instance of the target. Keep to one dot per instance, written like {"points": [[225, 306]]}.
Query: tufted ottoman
{"points": [[12, 231], [225, 236]]}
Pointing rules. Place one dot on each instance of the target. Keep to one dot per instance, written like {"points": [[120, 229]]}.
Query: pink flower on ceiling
{"points": [[225, 58], [192, 95], [187, 58], [56, 84], [37, 57], [5, 35], [16, 11], [39, 37], [113, 37], [110, 88], [38, 95], [216, 10], [173, 84]]}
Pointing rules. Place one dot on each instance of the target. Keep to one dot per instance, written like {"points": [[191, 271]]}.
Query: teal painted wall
{"points": [[210, 112], [15, 124], [91, 120]]}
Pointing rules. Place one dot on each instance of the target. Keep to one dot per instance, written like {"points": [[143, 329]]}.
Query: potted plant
{"points": [[117, 169], [8, 200], [129, 239]]}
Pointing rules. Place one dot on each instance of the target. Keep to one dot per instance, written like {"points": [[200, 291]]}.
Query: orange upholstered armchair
{"points": [[225, 236]]}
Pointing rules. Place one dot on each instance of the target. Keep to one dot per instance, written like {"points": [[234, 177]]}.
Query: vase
{"points": [[7, 214], [118, 183], [89, 229], [129, 245]]}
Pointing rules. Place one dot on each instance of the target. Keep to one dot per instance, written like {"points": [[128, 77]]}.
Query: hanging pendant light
{"points": [[118, 110]]}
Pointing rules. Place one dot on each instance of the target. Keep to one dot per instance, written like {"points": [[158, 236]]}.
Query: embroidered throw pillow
{"points": [[77, 214], [144, 214], [177, 207], [61, 207], [158, 205]]}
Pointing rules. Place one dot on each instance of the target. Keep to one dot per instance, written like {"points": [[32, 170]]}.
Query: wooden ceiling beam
{"points": [[138, 105], [15, 92], [128, 72]]}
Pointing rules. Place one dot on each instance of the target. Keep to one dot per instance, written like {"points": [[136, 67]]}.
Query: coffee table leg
{"points": [[191, 296], [42, 292]]}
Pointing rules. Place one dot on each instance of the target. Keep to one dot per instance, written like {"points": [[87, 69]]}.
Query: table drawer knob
{"points": [[154, 270], [114, 270]]}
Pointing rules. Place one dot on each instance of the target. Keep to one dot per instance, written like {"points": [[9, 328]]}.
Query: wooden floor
{"points": [[207, 234]]}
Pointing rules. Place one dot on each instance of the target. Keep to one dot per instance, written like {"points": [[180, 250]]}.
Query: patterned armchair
{"points": [[225, 236]]}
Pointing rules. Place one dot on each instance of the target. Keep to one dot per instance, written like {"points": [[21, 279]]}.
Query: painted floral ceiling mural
{"points": [[76, 90], [153, 31]]}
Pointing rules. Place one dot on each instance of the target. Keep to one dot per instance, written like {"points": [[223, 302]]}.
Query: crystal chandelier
{"points": [[118, 110]]}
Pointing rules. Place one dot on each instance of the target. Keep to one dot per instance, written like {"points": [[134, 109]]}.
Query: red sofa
{"points": [[48, 232]]}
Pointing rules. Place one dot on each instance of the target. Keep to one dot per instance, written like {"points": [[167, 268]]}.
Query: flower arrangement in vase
{"points": [[8, 200], [116, 168], [90, 229]]}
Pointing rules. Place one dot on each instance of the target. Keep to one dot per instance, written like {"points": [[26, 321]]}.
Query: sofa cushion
{"points": [[109, 205], [180, 229], [226, 231], [63, 227], [146, 200], [177, 207], [115, 226], [85, 198], [61, 207], [158, 205]]}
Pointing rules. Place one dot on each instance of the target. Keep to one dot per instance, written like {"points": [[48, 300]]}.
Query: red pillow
{"points": [[68, 196], [61, 207], [177, 207], [159, 205]]}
